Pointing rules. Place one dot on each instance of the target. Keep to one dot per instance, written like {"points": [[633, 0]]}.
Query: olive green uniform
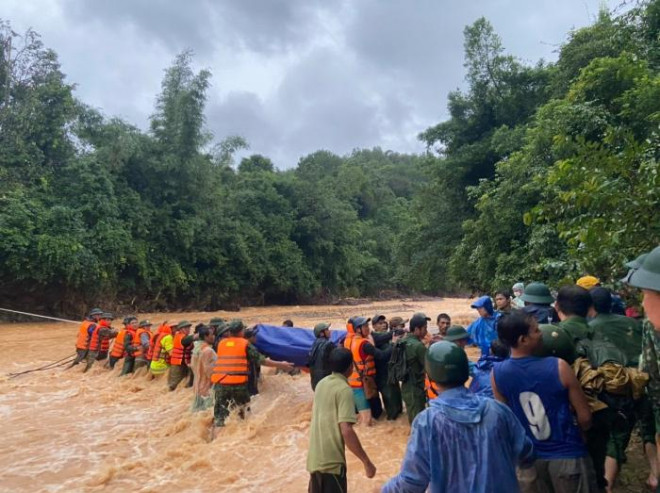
{"points": [[577, 328], [412, 389], [230, 396]]}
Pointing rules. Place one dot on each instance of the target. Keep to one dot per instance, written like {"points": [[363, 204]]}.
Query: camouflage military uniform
{"points": [[650, 362]]}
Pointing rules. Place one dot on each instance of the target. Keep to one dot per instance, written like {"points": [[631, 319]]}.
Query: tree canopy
{"points": [[541, 172]]}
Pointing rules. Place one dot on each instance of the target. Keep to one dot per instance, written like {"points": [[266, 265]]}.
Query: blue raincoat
{"points": [[483, 331], [463, 443], [480, 384]]}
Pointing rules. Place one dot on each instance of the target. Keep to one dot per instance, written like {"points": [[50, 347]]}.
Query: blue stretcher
{"points": [[290, 343]]}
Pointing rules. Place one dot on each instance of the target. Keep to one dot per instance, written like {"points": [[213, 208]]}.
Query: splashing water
{"points": [[68, 431]]}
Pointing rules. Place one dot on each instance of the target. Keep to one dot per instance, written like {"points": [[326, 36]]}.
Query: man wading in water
{"points": [[333, 417]]}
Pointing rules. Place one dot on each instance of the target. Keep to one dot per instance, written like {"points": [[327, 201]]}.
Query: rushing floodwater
{"points": [[64, 431]]}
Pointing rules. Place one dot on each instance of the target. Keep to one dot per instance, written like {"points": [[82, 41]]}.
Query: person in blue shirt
{"points": [[543, 392], [480, 384], [462, 442], [483, 330]]}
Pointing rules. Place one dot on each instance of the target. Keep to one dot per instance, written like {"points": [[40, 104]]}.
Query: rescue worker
{"points": [[85, 334], [482, 331], [99, 342], [412, 388], [161, 349], [202, 364], [382, 340], [444, 322], [231, 371], [459, 336], [118, 349], [537, 300], [129, 347], [331, 429], [462, 442], [518, 290], [390, 390], [350, 333], [503, 301], [254, 364], [480, 384], [317, 360], [216, 324], [178, 366], [647, 278], [542, 393], [141, 343], [572, 306]]}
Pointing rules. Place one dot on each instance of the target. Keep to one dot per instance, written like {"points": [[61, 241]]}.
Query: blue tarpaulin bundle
{"points": [[290, 343]]}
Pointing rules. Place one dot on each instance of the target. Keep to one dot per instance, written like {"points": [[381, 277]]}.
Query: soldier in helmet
{"points": [[317, 359], [645, 275], [437, 459], [537, 300]]}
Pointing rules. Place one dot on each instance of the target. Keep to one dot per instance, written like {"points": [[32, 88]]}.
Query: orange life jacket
{"points": [[176, 358], [231, 367], [98, 343], [364, 367], [350, 333], [158, 348], [432, 390], [83, 336], [137, 342], [118, 346]]}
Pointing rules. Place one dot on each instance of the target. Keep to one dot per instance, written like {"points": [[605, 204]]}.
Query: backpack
{"points": [[397, 367]]}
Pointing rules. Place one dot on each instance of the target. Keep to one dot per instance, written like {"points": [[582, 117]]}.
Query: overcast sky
{"points": [[292, 76]]}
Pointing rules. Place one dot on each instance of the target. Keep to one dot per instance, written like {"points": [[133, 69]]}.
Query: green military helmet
{"points": [[360, 321], [129, 319], [647, 276], [107, 316], [235, 326], [637, 263], [221, 330], [145, 323], [556, 342], [537, 292], [318, 328], [446, 363], [216, 322], [456, 333], [95, 311], [183, 324]]}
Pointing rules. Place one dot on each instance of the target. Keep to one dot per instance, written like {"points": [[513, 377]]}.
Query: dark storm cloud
{"points": [[291, 76], [263, 26]]}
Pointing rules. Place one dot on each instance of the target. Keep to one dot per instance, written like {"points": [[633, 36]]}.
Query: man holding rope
{"points": [[85, 333]]}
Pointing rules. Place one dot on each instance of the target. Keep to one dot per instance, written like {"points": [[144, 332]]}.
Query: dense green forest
{"points": [[542, 172]]}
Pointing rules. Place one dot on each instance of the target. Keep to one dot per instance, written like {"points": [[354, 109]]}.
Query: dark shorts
{"points": [[323, 482], [559, 475]]}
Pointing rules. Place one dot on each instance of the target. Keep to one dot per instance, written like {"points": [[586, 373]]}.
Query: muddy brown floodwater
{"points": [[65, 431]]}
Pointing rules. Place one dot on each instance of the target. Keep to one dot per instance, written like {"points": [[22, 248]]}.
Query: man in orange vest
{"points": [[141, 344], [99, 342], [130, 349], [231, 372], [363, 378], [178, 366], [85, 334], [118, 348]]}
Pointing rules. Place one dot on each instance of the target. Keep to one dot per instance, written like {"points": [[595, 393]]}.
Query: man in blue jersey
{"points": [[541, 393], [462, 442]]}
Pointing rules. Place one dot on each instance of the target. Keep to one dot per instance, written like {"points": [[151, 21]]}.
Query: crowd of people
{"points": [[561, 383]]}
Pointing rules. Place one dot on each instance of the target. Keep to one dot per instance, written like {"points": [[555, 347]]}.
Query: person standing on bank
{"points": [[331, 429], [542, 393], [318, 358], [462, 442], [412, 388]]}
